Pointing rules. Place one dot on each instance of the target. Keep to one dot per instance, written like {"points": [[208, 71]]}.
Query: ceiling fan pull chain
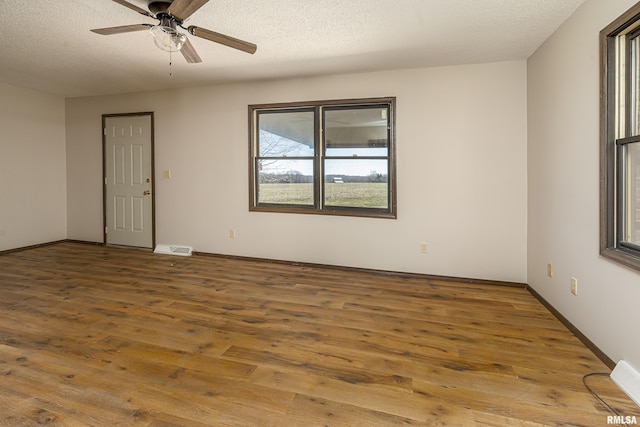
{"points": [[170, 63]]}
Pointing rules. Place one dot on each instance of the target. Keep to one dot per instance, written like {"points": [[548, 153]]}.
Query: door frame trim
{"points": [[153, 173]]}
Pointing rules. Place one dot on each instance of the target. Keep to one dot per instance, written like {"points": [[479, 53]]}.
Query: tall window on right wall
{"points": [[620, 139]]}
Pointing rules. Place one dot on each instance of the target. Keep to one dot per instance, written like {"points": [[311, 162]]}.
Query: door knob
{"points": [[146, 192]]}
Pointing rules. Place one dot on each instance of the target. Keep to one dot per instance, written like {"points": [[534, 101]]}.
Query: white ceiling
{"points": [[46, 44]]}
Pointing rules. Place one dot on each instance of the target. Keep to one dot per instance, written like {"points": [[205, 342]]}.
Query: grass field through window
{"points": [[348, 194]]}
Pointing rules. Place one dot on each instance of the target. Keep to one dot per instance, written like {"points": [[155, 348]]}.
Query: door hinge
{"points": [[104, 131], [105, 180], [105, 230]]}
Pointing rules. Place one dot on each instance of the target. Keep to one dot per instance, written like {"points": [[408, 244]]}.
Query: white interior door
{"points": [[128, 185]]}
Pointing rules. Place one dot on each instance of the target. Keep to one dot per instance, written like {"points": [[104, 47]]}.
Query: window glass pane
{"points": [[632, 193], [286, 134], [634, 87], [356, 132], [356, 183], [285, 181]]}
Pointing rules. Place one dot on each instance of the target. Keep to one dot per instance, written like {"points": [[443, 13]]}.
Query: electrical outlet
{"points": [[232, 233], [166, 174], [574, 286], [549, 270], [423, 248]]}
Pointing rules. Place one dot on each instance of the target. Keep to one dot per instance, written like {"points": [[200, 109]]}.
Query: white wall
{"points": [[462, 175], [32, 168], [461, 160], [563, 164]]}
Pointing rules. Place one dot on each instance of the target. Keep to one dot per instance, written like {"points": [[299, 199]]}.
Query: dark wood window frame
{"points": [[612, 244], [318, 157]]}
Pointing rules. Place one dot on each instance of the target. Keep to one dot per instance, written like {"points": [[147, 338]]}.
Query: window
{"points": [[620, 139], [327, 157]]}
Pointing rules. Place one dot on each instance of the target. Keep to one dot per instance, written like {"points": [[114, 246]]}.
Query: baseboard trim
{"points": [[85, 242], [367, 270], [26, 248], [42, 245], [575, 331]]}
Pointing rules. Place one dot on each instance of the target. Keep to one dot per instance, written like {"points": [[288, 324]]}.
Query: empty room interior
{"points": [[331, 213]]}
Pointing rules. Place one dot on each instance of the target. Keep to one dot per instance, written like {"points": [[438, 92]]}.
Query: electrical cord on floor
{"points": [[594, 394]]}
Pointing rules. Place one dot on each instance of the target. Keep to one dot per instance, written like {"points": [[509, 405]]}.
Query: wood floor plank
{"points": [[545, 407], [371, 397], [314, 411], [102, 336]]}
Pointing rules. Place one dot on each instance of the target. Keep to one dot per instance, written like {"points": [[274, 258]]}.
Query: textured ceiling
{"points": [[47, 45]]}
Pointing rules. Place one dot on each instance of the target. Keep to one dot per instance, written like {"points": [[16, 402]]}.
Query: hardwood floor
{"points": [[101, 336]]}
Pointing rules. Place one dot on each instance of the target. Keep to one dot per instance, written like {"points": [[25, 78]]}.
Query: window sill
{"points": [[622, 256], [335, 212]]}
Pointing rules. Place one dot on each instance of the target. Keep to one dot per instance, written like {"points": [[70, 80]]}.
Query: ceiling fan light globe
{"points": [[167, 38]]}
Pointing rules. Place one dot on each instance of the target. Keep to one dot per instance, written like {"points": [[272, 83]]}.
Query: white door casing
{"points": [[128, 168]]}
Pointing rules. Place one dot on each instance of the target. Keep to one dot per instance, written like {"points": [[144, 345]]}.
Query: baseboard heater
{"points": [[173, 250], [628, 379]]}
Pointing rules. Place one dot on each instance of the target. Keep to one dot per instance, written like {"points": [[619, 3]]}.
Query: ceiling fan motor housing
{"points": [[159, 6]]}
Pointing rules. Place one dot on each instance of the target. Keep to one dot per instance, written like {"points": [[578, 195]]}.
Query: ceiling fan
{"points": [[171, 14]]}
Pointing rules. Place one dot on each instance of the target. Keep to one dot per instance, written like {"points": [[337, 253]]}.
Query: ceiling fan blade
{"points": [[182, 9], [134, 7], [122, 29], [189, 53], [222, 39]]}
